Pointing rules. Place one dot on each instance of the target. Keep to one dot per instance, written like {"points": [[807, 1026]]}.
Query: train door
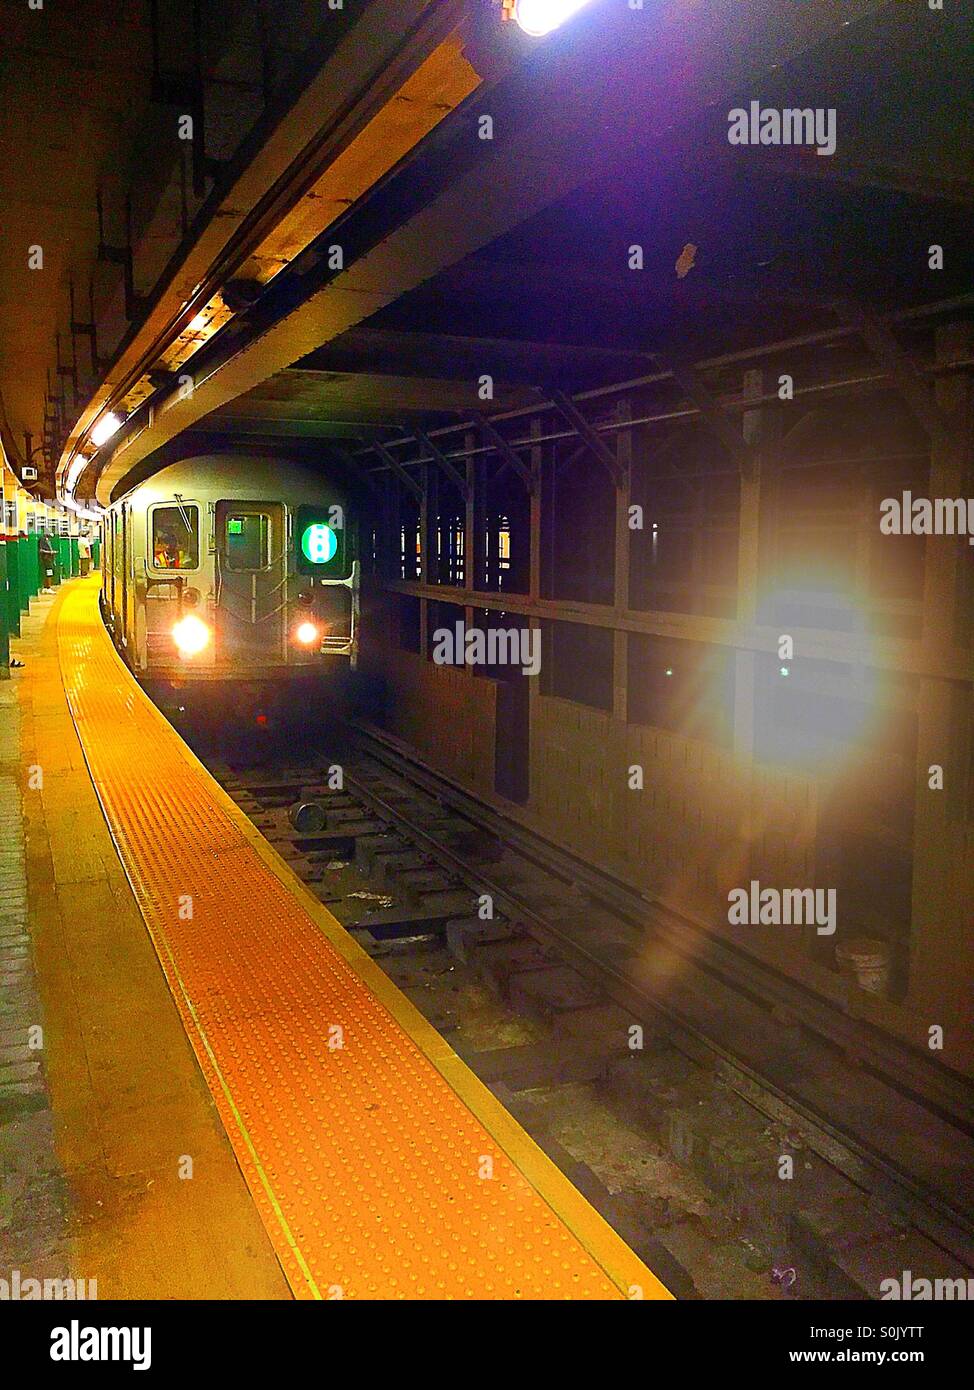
{"points": [[251, 583], [126, 556], [109, 562]]}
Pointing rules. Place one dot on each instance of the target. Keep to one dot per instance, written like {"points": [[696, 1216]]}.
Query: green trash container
{"points": [[4, 636], [23, 567], [12, 551], [33, 567]]}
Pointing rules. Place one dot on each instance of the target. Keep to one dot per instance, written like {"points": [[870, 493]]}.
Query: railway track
{"points": [[829, 1157]]}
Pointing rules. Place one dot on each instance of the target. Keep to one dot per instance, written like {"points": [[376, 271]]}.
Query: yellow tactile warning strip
{"points": [[380, 1165]]}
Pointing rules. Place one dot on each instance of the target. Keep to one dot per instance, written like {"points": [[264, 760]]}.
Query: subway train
{"points": [[231, 584]]}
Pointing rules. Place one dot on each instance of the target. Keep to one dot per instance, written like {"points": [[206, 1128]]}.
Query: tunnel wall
{"points": [[661, 648], [442, 712]]}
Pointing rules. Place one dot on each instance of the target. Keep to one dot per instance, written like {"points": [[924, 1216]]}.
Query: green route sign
{"points": [[320, 542]]}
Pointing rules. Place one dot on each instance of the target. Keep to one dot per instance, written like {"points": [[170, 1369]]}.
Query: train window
{"points": [[175, 536], [248, 541]]}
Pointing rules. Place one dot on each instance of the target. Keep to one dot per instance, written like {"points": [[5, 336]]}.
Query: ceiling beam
{"points": [[285, 428], [864, 174], [302, 132], [511, 361], [557, 129]]}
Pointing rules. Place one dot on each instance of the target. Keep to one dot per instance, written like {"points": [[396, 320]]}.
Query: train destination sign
{"points": [[320, 541]]}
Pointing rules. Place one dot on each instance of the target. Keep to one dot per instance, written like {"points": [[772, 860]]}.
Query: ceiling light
{"points": [[75, 470], [104, 428], [540, 17]]}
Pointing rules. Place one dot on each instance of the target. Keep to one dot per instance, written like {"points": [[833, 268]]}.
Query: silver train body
{"points": [[232, 567]]}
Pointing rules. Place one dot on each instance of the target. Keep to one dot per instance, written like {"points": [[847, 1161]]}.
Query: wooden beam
{"points": [[715, 417], [357, 471], [917, 392], [444, 464], [592, 438], [397, 468], [502, 446]]}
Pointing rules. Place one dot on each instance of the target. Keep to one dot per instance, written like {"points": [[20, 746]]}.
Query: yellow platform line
{"points": [[381, 1166]]}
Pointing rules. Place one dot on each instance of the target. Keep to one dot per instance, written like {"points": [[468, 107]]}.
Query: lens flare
{"points": [[190, 635], [306, 634], [540, 17]]}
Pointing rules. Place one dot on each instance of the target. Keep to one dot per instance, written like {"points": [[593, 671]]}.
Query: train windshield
{"points": [[176, 537]]}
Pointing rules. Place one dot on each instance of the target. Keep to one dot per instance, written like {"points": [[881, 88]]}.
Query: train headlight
{"points": [[539, 17], [191, 635], [307, 634]]}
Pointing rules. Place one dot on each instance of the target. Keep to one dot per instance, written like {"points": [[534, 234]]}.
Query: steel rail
{"points": [[861, 1161]]}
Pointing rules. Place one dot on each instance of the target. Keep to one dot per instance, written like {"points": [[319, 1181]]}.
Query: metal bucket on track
{"points": [[308, 817], [866, 961]]}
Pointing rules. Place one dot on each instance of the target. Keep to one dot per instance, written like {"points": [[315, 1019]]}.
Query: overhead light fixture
{"points": [[540, 17], [197, 324], [104, 428], [75, 470]]}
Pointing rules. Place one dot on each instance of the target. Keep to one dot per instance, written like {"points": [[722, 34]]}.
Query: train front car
{"points": [[231, 589]]}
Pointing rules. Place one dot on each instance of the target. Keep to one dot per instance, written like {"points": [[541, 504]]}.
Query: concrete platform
{"points": [[199, 1135], [92, 1152]]}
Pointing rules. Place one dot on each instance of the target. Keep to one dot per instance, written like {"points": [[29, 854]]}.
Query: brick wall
{"points": [[444, 712], [699, 827]]}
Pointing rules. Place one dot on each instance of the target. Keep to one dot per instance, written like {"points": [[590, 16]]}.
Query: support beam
{"points": [[534, 516], [718, 422], [896, 361], [593, 440], [409, 483], [473, 526], [444, 464], [502, 446], [621, 577], [359, 473], [942, 946], [446, 357]]}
